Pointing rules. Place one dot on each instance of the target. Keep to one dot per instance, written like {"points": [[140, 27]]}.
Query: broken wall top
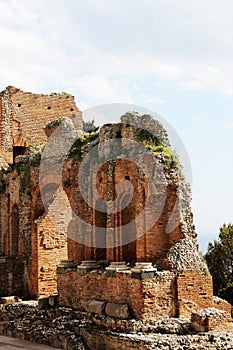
{"points": [[24, 115]]}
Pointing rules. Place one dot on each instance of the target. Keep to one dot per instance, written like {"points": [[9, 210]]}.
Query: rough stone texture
{"points": [[50, 327], [68, 329], [167, 294], [147, 123], [117, 310], [222, 304], [206, 320], [96, 307], [36, 236], [24, 115], [31, 245]]}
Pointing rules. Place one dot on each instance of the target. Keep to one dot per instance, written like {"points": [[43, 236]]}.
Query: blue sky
{"points": [[171, 56]]}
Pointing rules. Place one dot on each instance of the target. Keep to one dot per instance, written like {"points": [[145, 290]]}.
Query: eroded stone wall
{"points": [[146, 298], [170, 242], [24, 115], [27, 234], [165, 295]]}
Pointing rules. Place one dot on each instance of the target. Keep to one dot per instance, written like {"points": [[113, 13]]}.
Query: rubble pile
{"points": [[69, 329]]}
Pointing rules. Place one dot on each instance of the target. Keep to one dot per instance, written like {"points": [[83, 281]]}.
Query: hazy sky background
{"points": [[172, 56]]}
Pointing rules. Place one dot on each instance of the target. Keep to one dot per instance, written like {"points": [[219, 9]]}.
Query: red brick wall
{"points": [[211, 320], [49, 244], [40, 244], [52, 248], [222, 304], [165, 295], [152, 246], [146, 298], [24, 116], [194, 291]]}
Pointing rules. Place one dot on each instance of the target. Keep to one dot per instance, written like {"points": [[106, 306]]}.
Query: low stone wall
{"points": [[148, 298], [149, 295], [69, 329], [206, 320], [222, 304]]}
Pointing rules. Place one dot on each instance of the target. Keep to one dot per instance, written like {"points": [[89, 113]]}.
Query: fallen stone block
{"points": [[117, 310], [211, 319], [96, 307]]}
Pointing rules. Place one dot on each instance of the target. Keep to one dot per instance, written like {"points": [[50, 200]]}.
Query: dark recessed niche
{"points": [[100, 179], [127, 177], [71, 109], [19, 105], [49, 107]]}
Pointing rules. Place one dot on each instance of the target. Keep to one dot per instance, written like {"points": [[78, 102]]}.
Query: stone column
{"points": [[66, 266], [87, 266], [116, 266]]}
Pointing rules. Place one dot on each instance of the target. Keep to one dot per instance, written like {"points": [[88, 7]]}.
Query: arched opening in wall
{"points": [[18, 151], [127, 216], [14, 230], [100, 234]]}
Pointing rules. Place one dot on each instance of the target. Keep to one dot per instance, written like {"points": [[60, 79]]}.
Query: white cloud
{"points": [[193, 84], [121, 51], [150, 99], [228, 125], [97, 49], [102, 89]]}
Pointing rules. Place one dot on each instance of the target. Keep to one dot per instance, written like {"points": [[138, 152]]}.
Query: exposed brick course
{"points": [[194, 291], [33, 239], [30, 243]]}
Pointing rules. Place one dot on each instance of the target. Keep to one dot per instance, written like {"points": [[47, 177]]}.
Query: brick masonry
{"points": [[30, 244], [146, 298], [38, 239], [24, 116], [194, 291], [211, 319], [168, 294]]}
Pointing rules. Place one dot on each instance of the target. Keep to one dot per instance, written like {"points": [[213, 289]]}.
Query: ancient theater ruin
{"points": [[30, 247], [109, 225]]}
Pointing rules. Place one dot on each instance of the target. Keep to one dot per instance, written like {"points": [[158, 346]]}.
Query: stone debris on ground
{"points": [[69, 329]]}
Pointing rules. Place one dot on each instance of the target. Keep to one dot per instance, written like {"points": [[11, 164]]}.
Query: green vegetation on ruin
{"points": [[83, 140], [35, 153], [54, 123], [169, 156]]}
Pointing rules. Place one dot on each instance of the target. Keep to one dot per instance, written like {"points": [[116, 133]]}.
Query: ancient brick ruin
{"points": [[30, 247], [46, 249]]}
